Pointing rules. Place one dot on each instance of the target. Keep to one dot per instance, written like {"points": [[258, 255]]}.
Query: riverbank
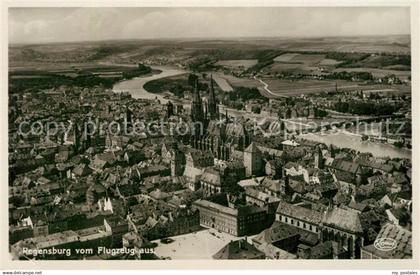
{"points": [[354, 141], [135, 86]]}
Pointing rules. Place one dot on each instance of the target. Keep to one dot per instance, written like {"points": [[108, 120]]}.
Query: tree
{"points": [[256, 109], [192, 78], [178, 90]]}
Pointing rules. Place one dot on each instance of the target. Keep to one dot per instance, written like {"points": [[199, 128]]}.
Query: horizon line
{"points": [[202, 38]]}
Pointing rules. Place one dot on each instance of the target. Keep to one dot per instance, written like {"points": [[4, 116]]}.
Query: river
{"points": [[353, 141], [135, 86]]}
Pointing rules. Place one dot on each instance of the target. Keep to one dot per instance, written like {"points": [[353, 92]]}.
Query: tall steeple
{"points": [[169, 109], [319, 162], [213, 111], [197, 113]]}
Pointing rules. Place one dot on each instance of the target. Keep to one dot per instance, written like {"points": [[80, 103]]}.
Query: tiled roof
{"points": [[380, 166], [239, 249], [271, 151], [211, 176], [274, 252], [192, 173], [378, 179], [326, 249], [403, 240], [290, 143], [272, 185], [299, 212], [159, 195], [343, 219], [256, 194], [347, 166], [215, 206], [357, 205], [252, 148], [81, 169], [275, 233]]}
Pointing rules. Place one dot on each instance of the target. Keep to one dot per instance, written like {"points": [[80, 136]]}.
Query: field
{"points": [[398, 44], [266, 58], [288, 87], [134, 51], [375, 48], [308, 59], [61, 68], [27, 76], [329, 62], [222, 83], [237, 64], [45, 75], [301, 63], [238, 82], [287, 57], [403, 75], [293, 88]]}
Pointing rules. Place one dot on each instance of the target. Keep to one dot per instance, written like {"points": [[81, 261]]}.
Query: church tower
{"points": [[176, 161], [212, 105], [332, 153], [319, 162], [129, 116], [76, 137], [252, 160], [197, 113], [169, 109]]}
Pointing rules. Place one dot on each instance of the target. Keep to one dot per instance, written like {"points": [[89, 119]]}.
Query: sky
{"points": [[40, 25]]}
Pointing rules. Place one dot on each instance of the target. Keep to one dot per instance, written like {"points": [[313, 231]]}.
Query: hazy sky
{"points": [[32, 25]]}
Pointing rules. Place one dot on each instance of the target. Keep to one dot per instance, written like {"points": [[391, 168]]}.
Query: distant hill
{"points": [[182, 49]]}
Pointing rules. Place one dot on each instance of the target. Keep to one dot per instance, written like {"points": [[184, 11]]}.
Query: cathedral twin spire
{"points": [[212, 102], [197, 110], [197, 105]]}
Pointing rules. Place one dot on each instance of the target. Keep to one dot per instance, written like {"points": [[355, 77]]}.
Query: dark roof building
{"points": [[237, 250], [325, 250], [238, 221]]}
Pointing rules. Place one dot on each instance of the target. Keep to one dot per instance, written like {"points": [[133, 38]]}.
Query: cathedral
{"points": [[212, 103], [197, 112], [220, 137]]}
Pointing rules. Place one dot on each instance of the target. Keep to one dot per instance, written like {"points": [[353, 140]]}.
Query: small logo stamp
{"points": [[385, 244]]}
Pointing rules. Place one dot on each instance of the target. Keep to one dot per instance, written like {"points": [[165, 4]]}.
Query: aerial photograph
{"points": [[209, 133]]}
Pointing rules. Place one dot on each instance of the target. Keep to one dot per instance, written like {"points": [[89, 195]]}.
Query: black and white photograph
{"points": [[164, 133]]}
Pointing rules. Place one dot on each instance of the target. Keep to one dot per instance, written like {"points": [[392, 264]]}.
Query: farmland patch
{"points": [[238, 63]]}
